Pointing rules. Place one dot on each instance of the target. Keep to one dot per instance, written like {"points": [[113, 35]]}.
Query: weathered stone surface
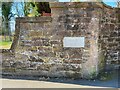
{"points": [[6, 64], [73, 61]]}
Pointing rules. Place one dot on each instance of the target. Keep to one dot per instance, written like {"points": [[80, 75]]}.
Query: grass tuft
{"points": [[5, 44]]}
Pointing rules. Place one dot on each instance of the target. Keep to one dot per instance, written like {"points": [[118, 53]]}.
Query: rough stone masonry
{"points": [[46, 46]]}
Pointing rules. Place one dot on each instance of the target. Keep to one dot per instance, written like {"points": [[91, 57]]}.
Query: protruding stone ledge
{"points": [[34, 19], [80, 5]]}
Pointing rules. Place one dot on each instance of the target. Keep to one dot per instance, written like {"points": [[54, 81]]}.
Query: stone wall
{"points": [[110, 36], [38, 47]]}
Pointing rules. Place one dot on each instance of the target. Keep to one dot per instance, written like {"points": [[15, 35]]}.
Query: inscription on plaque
{"points": [[74, 42]]}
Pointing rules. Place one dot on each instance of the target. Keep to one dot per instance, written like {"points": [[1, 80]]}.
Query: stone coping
{"points": [[34, 19], [80, 5]]}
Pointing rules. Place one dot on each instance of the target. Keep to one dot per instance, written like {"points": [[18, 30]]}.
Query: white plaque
{"points": [[74, 42]]}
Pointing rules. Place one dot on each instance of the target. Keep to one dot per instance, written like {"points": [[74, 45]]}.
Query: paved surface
{"points": [[12, 83]]}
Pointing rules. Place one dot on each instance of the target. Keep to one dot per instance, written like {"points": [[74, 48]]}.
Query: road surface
{"points": [[12, 83]]}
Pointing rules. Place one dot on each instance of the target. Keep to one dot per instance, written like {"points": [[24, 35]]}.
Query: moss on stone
{"points": [[101, 64], [105, 76], [8, 69]]}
